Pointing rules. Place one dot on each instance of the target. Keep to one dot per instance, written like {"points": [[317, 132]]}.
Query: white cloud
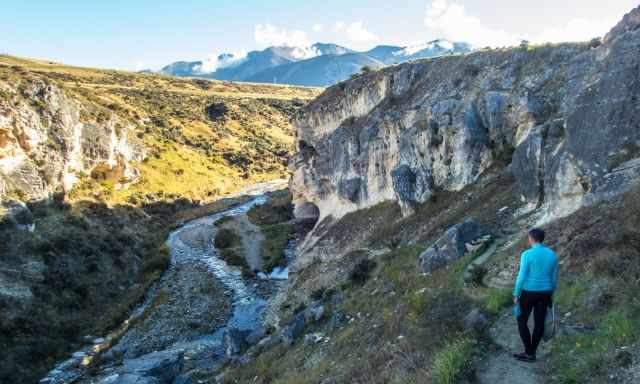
{"points": [[139, 65], [575, 30], [213, 62], [268, 35], [338, 26], [358, 33], [317, 27], [449, 20]]}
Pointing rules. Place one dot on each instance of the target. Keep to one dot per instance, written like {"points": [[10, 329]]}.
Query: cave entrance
{"points": [[307, 214]]}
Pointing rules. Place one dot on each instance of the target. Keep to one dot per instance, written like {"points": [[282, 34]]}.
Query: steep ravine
{"points": [[193, 319]]}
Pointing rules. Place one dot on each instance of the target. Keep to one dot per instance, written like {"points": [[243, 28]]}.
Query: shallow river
{"points": [[190, 245]]}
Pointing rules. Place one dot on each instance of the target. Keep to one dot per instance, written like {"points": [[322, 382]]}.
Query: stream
{"points": [[216, 325]]}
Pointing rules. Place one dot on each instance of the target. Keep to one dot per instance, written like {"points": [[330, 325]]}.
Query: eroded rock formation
{"points": [[565, 119], [48, 140]]}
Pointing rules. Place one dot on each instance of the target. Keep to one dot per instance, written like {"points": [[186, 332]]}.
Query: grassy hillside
{"points": [[204, 138], [98, 247], [385, 322]]}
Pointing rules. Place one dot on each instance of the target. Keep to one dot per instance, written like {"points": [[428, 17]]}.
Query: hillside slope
{"points": [[95, 168], [59, 123], [392, 163]]}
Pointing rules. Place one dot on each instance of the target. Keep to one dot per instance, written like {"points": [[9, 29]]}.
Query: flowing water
{"points": [[208, 351]]}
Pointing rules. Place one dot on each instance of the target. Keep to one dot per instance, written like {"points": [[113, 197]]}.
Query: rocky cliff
{"points": [[565, 120], [48, 140]]}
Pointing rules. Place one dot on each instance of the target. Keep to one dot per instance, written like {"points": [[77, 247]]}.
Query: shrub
{"points": [[446, 311], [620, 326], [159, 261], [362, 271], [233, 258], [497, 299], [595, 42], [276, 240], [450, 362], [226, 238]]}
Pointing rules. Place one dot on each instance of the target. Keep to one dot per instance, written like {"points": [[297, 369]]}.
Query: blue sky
{"points": [[141, 33]]}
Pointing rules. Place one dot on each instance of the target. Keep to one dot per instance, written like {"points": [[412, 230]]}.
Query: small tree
{"points": [[595, 42]]}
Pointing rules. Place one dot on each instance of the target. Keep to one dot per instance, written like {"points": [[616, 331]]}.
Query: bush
{"points": [[277, 210], [226, 238], [233, 258], [620, 326], [497, 299], [595, 42], [276, 238], [450, 362], [159, 261], [446, 311], [362, 271]]}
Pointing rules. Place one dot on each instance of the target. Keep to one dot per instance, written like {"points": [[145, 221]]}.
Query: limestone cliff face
{"points": [[565, 118], [47, 140]]}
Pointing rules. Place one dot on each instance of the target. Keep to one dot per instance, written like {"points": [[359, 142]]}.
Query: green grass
{"points": [[227, 238], [272, 218], [276, 238], [594, 352], [620, 326], [497, 299], [229, 245], [450, 362], [276, 210]]}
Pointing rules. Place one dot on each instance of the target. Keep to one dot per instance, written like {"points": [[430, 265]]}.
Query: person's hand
{"points": [[515, 300]]}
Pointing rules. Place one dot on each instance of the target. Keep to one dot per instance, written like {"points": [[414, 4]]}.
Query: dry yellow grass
{"points": [[191, 154]]}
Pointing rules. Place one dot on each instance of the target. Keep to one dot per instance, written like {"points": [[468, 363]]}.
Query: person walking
{"points": [[535, 284]]}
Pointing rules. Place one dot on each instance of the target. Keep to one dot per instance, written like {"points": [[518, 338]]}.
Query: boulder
{"points": [[162, 366], [598, 296], [475, 320], [183, 379], [129, 378], [452, 245], [293, 329], [16, 214], [236, 341], [314, 312]]}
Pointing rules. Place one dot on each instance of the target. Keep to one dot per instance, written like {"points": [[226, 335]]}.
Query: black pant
{"points": [[539, 302]]}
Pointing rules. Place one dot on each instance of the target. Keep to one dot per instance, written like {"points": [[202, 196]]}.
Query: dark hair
{"points": [[537, 235]]}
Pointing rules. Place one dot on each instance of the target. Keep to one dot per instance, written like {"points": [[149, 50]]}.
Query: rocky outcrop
{"points": [[456, 242], [565, 119], [48, 140]]}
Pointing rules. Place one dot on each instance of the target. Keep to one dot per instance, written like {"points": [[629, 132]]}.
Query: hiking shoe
{"points": [[525, 357]]}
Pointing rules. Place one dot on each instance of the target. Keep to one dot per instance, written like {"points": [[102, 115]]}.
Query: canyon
{"points": [[141, 245]]}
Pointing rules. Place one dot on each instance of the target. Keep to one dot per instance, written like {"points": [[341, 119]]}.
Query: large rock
{"points": [[294, 329], [163, 367], [49, 141], [567, 115], [452, 245], [16, 214], [235, 340]]}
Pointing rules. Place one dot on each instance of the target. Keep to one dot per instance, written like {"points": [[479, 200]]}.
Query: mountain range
{"points": [[321, 64]]}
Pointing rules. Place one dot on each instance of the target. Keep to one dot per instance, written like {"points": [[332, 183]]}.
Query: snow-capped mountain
{"points": [[320, 64]]}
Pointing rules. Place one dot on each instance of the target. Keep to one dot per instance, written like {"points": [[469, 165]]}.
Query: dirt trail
{"points": [[500, 367]]}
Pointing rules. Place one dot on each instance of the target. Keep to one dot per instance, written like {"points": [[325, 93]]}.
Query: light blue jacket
{"points": [[538, 270]]}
